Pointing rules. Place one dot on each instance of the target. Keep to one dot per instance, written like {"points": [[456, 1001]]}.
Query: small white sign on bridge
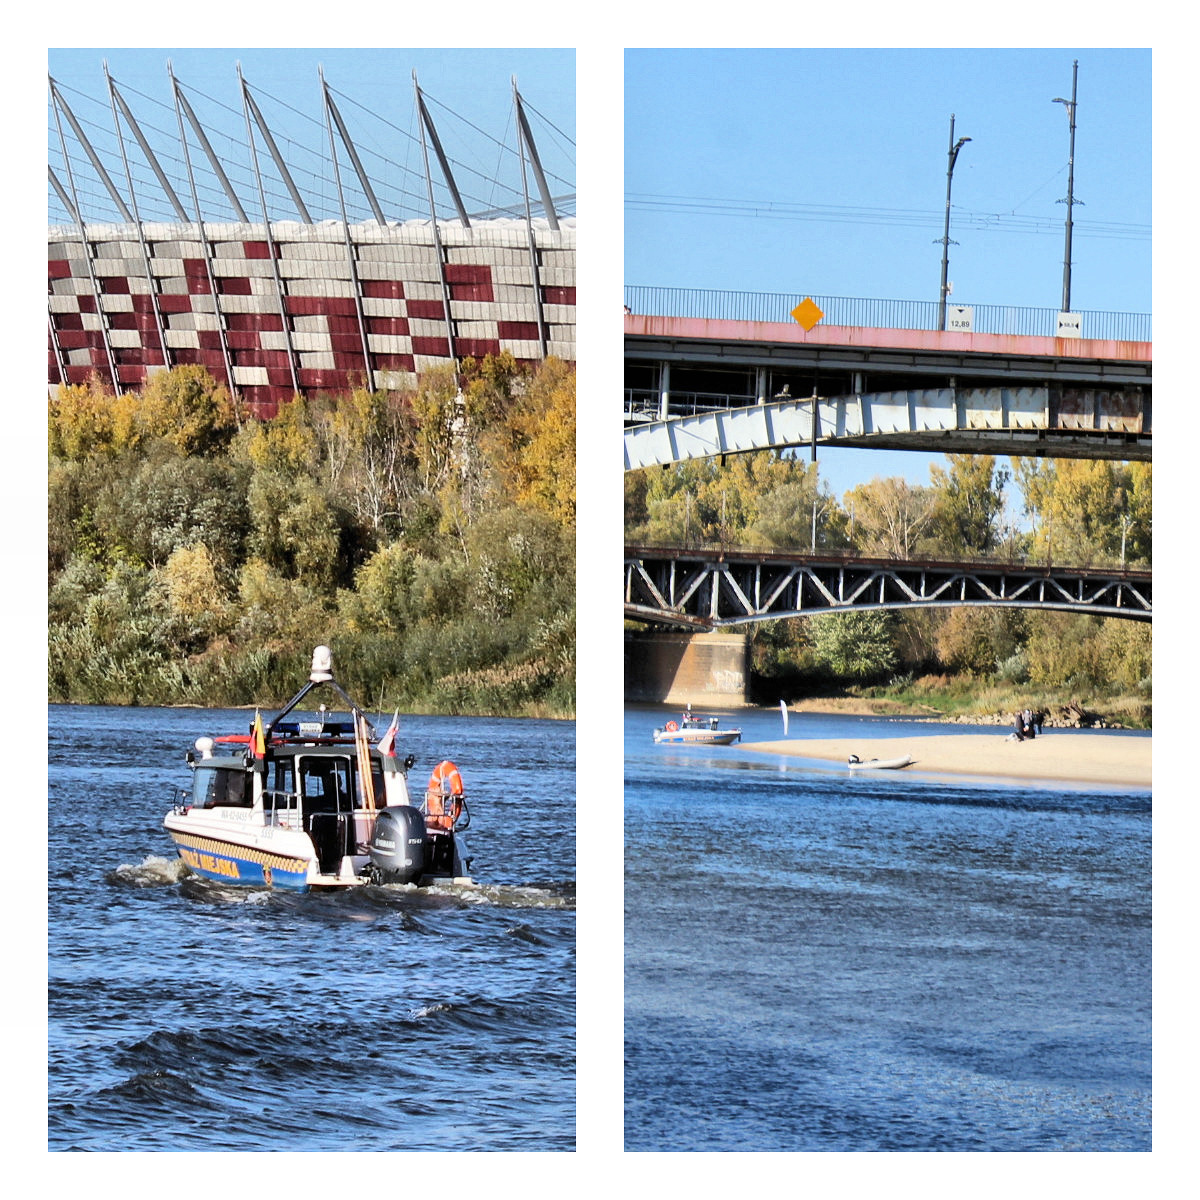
{"points": [[960, 318], [1069, 325]]}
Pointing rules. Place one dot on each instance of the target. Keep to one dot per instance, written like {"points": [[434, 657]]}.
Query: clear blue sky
{"points": [[863, 134]]}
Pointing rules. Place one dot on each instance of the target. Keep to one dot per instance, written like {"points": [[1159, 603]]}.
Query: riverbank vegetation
{"points": [[960, 661], [196, 554]]}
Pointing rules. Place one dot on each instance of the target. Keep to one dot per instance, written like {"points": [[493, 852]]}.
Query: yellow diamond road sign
{"points": [[806, 313]]}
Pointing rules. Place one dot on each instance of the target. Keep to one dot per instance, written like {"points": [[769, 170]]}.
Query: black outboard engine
{"points": [[398, 845]]}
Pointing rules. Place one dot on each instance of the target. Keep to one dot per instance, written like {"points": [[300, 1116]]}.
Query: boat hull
{"points": [[252, 855], [881, 764], [243, 853]]}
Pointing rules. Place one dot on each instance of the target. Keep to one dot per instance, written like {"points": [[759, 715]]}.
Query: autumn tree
{"points": [[857, 645], [187, 408], [968, 504], [1085, 509], [533, 446], [438, 410], [88, 421], [368, 444], [889, 516], [976, 640]]}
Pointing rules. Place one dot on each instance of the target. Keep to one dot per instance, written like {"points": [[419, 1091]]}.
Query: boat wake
{"points": [[527, 896], [155, 871], [161, 872], [541, 895], [152, 871]]}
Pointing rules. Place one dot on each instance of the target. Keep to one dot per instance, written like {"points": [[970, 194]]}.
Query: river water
{"points": [[188, 1015], [816, 961]]}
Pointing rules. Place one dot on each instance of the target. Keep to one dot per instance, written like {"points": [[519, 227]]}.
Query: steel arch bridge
{"points": [[710, 589]]}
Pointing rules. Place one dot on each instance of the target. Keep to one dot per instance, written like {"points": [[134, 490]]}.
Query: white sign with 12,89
{"points": [[960, 318]]}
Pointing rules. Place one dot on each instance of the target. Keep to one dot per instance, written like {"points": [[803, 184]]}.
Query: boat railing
{"points": [[282, 809], [462, 819]]}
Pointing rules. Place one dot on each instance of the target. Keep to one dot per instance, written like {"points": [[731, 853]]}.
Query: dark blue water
{"points": [[188, 1015], [818, 961]]}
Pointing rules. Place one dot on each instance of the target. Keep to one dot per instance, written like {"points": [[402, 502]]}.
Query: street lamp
{"points": [[1070, 200], [955, 147]]}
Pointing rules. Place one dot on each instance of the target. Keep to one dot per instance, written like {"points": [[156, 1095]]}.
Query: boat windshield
{"points": [[216, 785]]}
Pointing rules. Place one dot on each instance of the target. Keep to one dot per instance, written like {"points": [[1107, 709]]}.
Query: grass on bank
{"points": [[959, 698]]}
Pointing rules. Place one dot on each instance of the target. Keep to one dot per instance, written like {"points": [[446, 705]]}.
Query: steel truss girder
{"points": [[713, 589], [994, 420]]}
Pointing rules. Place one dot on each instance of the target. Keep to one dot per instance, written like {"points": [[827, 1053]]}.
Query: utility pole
{"points": [[1070, 200], [955, 147]]}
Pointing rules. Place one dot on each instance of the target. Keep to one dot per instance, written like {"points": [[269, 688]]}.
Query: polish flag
{"points": [[387, 743]]}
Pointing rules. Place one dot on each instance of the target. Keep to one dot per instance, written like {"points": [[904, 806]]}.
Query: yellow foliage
{"points": [[187, 408], [535, 454], [81, 420], [190, 580], [287, 443], [183, 406]]}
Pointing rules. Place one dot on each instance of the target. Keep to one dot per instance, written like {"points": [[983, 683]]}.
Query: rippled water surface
{"points": [[188, 1015], [820, 961]]}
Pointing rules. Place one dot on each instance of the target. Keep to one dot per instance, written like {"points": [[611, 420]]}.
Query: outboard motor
{"points": [[398, 846]]}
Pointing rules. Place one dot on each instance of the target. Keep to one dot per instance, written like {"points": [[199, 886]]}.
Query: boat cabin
{"points": [[302, 783]]}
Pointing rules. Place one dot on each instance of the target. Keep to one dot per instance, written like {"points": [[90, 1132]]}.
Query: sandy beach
{"points": [[1098, 757]]}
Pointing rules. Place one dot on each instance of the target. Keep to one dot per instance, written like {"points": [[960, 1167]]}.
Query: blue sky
{"points": [[862, 135]]}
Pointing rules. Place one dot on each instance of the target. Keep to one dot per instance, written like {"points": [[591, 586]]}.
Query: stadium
{"points": [[194, 232]]}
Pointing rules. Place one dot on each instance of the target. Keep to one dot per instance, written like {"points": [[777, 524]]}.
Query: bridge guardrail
{"points": [[716, 552], [876, 314]]}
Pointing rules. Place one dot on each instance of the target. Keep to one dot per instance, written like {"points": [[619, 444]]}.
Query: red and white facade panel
{"points": [[292, 310]]}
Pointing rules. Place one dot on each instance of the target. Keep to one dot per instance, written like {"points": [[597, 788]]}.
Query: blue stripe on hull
{"points": [[232, 868]]}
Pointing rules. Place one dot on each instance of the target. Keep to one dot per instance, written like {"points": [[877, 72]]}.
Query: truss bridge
{"points": [[710, 588]]}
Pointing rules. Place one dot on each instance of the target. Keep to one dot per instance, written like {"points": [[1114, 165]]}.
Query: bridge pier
{"points": [[685, 668]]}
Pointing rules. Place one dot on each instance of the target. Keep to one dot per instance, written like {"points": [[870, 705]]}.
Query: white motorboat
{"points": [[312, 803], [692, 729]]}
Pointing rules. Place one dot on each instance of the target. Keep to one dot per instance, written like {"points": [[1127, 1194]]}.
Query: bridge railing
{"points": [[876, 314], [719, 552]]}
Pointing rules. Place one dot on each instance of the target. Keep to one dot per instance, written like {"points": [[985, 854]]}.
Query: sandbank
{"points": [[1095, 757]]}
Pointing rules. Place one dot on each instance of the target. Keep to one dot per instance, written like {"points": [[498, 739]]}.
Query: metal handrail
{"points": [[707, 304]]}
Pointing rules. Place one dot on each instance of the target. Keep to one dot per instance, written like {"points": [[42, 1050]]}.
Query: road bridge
{"points": [[710, 588], [703, 387]]}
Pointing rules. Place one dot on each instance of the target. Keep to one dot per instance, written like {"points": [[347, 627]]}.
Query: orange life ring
{"points": [[446, 780], [671, 726], [443, 803]]}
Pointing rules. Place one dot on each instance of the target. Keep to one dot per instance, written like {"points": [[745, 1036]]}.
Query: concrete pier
{"points": [[687, 668]]}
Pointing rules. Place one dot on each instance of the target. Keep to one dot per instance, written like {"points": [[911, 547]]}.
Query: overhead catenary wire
{"points": [[777, 210]]}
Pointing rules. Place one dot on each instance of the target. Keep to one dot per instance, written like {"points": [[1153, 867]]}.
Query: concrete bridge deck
{"points": [[698, 387]]}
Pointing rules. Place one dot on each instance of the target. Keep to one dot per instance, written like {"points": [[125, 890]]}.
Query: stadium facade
{"points": [[285, 307], [305, 308]]}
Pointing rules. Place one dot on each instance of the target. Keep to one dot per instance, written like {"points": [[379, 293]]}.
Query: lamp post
{"points": [[1070, 200], [955, 147]]}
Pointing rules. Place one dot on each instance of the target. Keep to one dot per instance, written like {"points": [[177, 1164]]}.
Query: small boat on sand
{"points": [[305, 804], [695, 730], [878, 764]]}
